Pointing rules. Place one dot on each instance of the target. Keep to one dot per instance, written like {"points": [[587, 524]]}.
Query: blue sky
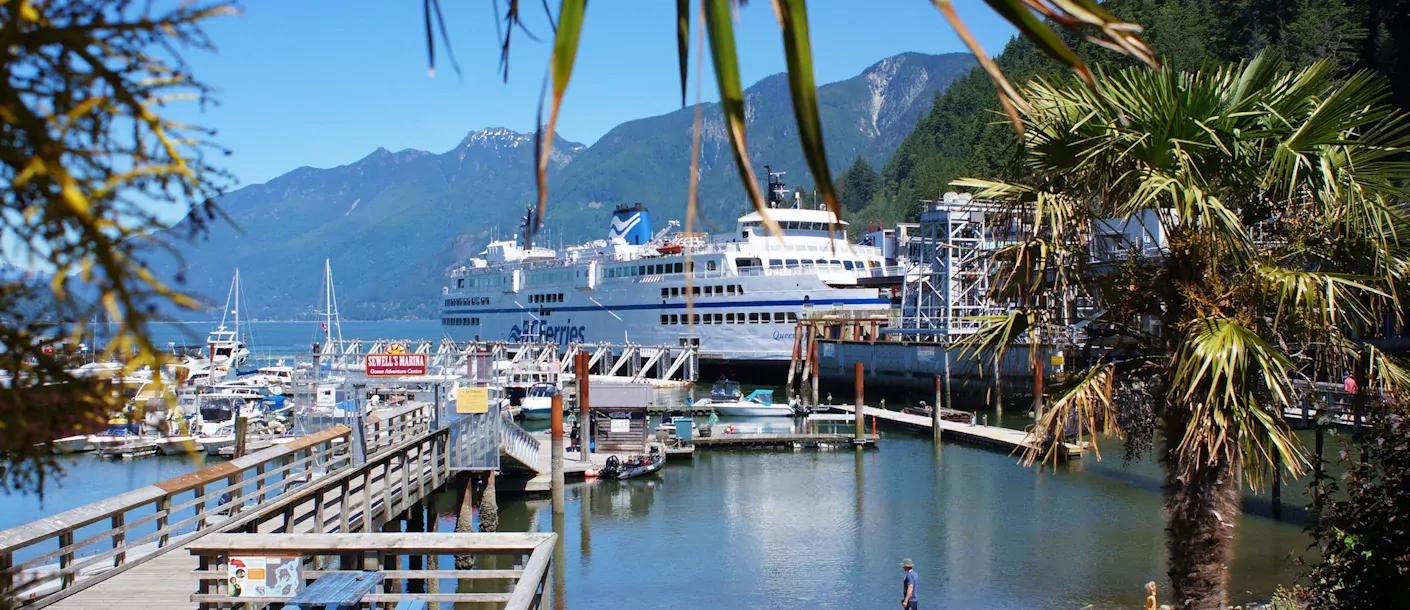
{"points": [[325, 83]]}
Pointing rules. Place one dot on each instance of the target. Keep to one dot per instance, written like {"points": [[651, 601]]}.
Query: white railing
{"points": [[519, 444]]}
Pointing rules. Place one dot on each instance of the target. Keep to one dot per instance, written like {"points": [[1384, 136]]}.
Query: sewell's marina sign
{"points": [[395, 365]]}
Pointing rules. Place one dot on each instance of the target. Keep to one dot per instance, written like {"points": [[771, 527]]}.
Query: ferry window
{"points": [[690, 266], [707, 319], [695, 290], [792, 317], [775, 262], [779, 317], [792, 262], [641, 270], [709, 265], [753, 317], [871, 264], [729, 290], [835, 262], [675, 319], [719, 318], [729, 318], [697, 318], [460, 283], [847, 265], [680, 267], [665, 319], [764, 317], [665, 293]]}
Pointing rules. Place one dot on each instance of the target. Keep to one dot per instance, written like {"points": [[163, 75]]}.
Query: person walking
{"points": [[909, 600]]}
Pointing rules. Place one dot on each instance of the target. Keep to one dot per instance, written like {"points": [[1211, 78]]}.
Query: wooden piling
{"points": [[813, 349], [584, 407], [556, 447], [242, 429], [1277, 486], [860, 418], [465, 520], [416, 523]]}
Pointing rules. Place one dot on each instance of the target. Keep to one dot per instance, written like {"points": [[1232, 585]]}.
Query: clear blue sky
{"points": [[325, 83]]}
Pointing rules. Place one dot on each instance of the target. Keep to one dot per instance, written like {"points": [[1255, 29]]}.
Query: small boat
{"points": [[177, 445], [636, 465], [725, 398], [133, 448], [671, 248], [71, 444], [538, 403]]}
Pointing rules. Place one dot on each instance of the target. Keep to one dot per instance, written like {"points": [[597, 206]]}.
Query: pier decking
{"points": [[1004, 439]]}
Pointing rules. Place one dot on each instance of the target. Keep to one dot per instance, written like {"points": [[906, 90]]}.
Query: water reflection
{"points": [[784, 529]]}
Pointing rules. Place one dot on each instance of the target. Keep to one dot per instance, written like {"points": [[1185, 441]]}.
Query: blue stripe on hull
{"points": [[705, 303]]}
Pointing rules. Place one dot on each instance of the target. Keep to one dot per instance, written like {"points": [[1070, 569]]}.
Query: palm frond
{"points": [[1084, 403]]}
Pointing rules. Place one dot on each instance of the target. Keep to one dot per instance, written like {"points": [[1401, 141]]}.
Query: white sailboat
{"points": [[225, 349]]}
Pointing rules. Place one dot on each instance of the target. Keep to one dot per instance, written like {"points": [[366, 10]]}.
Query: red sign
{"points": [[395, 365]]}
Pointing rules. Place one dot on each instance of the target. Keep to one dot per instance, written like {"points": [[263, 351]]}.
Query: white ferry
{"points": [[737, 297]]}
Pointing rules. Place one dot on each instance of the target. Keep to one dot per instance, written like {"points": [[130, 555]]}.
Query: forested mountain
{"points": [[391, 223], [965, 134]]}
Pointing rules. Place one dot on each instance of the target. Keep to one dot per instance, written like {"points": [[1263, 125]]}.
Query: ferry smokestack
{"points": [[631, 223]]}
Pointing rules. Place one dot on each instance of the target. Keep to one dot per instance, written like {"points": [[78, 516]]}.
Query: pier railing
{"points": [[519, 444], [64, 553], [519, 586], [49, 559]]}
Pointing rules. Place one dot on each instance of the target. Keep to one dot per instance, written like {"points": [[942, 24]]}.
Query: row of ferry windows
{"points": [[467, 302], [655, 269], [546, 298], [460, 321], [709, 291], [777, 263], [754, 317]]}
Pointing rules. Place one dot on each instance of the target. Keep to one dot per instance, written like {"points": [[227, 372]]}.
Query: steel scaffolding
{"points": [[947, 287]]}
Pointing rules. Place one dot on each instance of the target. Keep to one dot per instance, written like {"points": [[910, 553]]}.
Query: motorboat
{"points": [[70, 444], [132, 447], [726, 399], [538, 403], [636, 465]]}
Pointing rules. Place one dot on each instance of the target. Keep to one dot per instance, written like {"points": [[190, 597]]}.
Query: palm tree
{"points": [[1281, 235]]}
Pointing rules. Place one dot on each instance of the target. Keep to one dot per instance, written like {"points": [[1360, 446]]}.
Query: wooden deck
{"points": [[1004, 439], [774, 441], [348, 504]]}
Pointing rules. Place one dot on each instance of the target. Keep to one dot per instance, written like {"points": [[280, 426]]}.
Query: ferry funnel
{"points": [[631, 223]]}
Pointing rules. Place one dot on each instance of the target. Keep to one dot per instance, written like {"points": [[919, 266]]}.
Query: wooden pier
{"points": [[135, 550], [994, 437], [783, 441]]}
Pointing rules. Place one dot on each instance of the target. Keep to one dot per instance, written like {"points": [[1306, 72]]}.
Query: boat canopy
{"points": [[763, 397]]}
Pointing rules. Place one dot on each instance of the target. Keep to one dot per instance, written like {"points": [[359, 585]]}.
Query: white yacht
{"points": [[737, 296], [225, 349]]}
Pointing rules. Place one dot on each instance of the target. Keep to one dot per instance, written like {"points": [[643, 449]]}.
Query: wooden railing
{"points": [[50, 559], [68, 551], [401, 560], [394, 426]]}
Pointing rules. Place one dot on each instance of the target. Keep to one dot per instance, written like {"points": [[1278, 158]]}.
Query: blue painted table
{"points": [[339, 591]]}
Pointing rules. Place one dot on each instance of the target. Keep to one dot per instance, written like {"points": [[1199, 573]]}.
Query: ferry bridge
{"points": [[344, 502]]}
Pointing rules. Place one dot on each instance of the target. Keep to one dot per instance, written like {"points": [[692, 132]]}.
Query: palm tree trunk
{"points": [[1202, 506]]}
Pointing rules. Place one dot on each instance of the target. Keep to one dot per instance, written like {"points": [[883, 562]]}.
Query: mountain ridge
{"points": [[392, 222]]}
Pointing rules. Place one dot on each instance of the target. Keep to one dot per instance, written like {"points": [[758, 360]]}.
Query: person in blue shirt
{"points": [[909, 600]]}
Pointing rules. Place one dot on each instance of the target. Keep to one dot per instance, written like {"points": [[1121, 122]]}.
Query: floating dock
{"points": [[776, 441], [1004, 439]]}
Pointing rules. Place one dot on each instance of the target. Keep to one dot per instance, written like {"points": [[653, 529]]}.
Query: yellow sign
{"points": [[1057, 360], [472, 400], [396, 349]]}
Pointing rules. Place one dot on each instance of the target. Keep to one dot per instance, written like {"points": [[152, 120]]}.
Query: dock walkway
{"points": [[1005, 439]]}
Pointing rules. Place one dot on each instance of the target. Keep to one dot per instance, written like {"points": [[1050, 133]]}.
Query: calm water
{"points": [[821, 529]]}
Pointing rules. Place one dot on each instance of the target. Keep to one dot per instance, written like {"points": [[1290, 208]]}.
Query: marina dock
{"points": [[784, 441], [1003, 439]]}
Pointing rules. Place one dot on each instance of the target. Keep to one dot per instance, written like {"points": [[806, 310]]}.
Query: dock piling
{"points": [[1277, 486], [860, 417], [935, 411], [556, 449], [242, 428], [584, 408]]}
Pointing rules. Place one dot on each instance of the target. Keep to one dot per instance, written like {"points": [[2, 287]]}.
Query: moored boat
{"points": [[727, 399], [636, 465], [71, 444], [538, 403], [135, 447]]}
